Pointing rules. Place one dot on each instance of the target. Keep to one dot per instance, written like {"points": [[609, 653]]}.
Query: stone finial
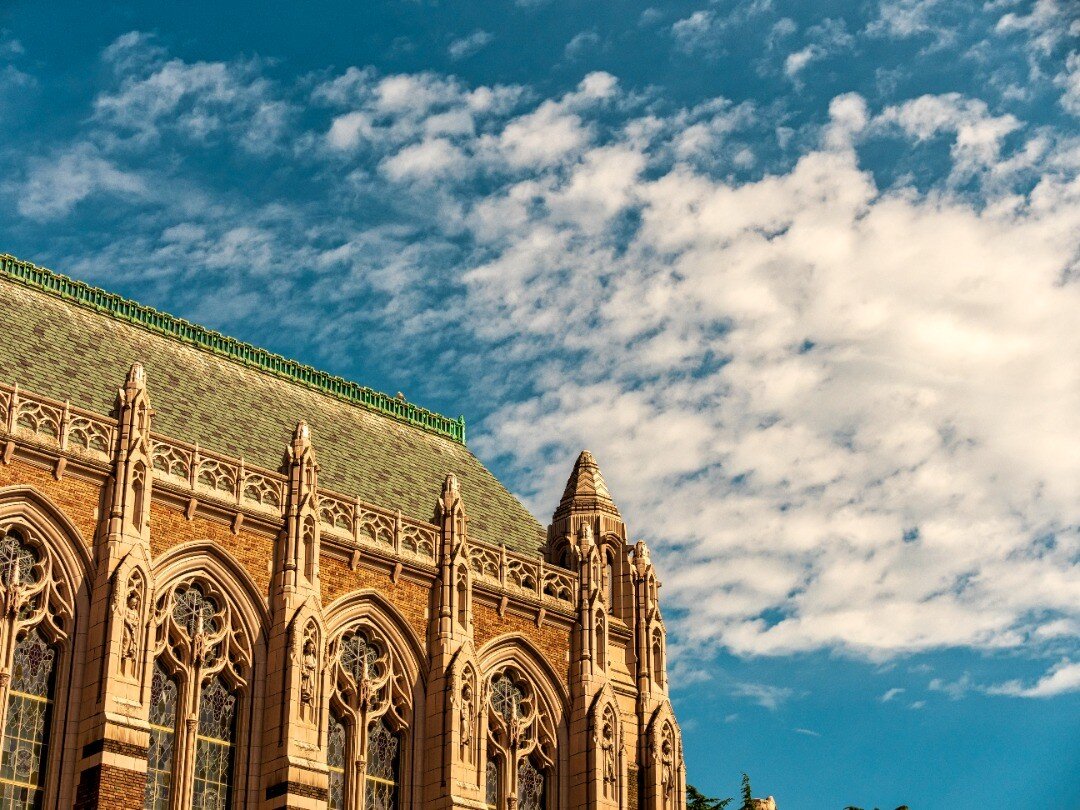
{"points": [[451, 489], [642, 561], [301, 441], [586, 490], [136, 375]]}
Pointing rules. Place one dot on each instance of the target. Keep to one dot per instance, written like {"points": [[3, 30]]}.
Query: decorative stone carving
{"points": [[309, 661]]}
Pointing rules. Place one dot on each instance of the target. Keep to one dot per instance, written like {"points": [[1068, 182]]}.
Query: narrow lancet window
{"points": [[26, 728], [382, 757], [162, 739], [335, 759], [214, 747]]}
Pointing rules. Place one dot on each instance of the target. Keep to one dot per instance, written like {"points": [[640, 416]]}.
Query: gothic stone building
{"points": [[228, 580]]}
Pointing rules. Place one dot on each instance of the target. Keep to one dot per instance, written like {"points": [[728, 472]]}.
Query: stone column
{"points": [[114, 731], [297, 697]]}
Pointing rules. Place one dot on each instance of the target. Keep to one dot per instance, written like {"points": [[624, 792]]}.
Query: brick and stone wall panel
{"points": [[77, 498]]}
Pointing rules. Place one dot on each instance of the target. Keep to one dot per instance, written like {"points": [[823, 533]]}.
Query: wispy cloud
{"points": [[1061, 679], [890, 694], [765, 695], [468, 45]]}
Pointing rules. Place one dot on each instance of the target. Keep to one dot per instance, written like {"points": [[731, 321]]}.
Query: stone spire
{"points": [[586, 490]]}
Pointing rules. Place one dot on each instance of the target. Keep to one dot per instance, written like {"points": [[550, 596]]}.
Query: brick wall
{"points": [[76, 497]]}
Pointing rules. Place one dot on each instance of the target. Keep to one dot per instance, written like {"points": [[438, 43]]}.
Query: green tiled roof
{"points": [[67, 340]]}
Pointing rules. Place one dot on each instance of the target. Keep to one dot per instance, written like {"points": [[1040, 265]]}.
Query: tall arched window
{"points": [[214, 746], [369, 711], [530, 786], [609, 581], [201, 659], [35, 611], [26, 729], [491, 784], [162, 735], [521, 735]]}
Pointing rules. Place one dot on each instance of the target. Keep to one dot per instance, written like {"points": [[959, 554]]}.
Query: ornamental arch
{"points": [[44, 581], [523, 727], [207, 665], [375, 675]]}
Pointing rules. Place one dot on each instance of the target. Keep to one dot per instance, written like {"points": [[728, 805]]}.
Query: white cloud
{"points": [[900, 19], [54, 185], [978, 135], [891, 694], [1069, 79], [469, 45], [806, 732], [1062, 678], [954, 689], [199, 100], [581, 44]]}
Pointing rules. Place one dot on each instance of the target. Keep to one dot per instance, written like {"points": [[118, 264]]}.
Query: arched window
{"points": [[658, 658], [26, 729], [35, 611], [609, 581], [201, 658], [214, 746], [520, 734], [530, 786], [369, 708]]}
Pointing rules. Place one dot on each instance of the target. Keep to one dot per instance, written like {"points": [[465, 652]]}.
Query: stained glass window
{"points": [[380, 786], [335, 758], [530, 786], [491, 791], [193, 611], [213, 747], [358, 656], [162, 736], [26, 730], [17, 560], [506, 699]]}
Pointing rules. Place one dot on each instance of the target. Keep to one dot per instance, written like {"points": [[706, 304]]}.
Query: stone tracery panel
{"points": [[521, 742], [203, 654], [36, 616], [370, 714]]}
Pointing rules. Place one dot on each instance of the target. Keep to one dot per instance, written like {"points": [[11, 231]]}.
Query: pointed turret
{"points": [[586, 490]]}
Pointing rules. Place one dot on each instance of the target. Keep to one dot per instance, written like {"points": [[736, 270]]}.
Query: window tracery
{"points": [[520, 734], [370, 707], [36, 608], [202, 656]]}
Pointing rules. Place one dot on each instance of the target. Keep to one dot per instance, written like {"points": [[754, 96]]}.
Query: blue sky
{"points": [[804, 277]]}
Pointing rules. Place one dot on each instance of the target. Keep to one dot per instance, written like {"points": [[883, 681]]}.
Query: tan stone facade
{"points": [[196, 631]]}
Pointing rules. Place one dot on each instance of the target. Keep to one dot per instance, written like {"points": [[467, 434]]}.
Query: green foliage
{"points": [[747, 793], [696, 800]]}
